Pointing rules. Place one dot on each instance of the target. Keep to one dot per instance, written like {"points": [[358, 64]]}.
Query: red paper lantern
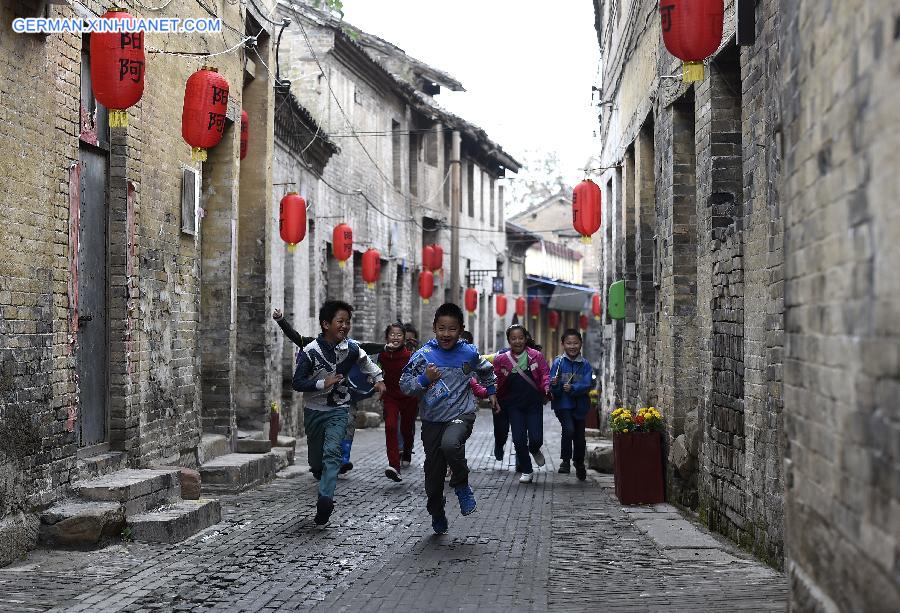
{"points": [[692, 31], [292, 219], [203, 115], [520, 306], [534, 307], [342, 243], [553, 319], [595, 306], [438, 258], [245, 133], [471, 300], [426, 285], [586, 209], [583, 321], [117, 69], [371, 267], [428, 257], [500, 304]]}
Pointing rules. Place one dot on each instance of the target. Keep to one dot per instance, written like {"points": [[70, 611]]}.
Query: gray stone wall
{"points": [[839, 189]]}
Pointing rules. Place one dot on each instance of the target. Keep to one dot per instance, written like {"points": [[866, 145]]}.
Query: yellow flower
{"points": [[625, 430]]}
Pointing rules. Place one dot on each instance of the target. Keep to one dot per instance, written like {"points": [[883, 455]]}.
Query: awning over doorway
{"points": [[560, 295]]}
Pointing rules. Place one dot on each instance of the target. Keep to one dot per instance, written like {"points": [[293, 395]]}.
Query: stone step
{"points": [[287, 441], [81, 524], [285, 457], [212, 446], [252, 445], [175, 522], [99, 465], [135, 489], [235, 472]]}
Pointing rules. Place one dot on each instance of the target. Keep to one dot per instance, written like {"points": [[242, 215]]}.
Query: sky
{"points": [[527, 66]]}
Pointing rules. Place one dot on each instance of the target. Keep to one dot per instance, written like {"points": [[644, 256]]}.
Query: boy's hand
{"points": [[495, 406], [432, 372], [381, 388], [567, 387], [332, 379], [277, 314]]}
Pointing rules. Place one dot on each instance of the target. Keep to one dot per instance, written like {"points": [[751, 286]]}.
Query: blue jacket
{"points": [[579, 373], [450, 396]]}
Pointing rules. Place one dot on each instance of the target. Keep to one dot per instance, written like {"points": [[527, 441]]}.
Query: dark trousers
{"points": [[527, 425], [501, 427], [572, 435], [399, 421], [445, 445]]}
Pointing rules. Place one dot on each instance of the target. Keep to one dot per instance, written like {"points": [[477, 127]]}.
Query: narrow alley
{"points": [[553, 545]]}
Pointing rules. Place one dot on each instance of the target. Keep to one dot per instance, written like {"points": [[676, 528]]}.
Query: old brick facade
{"points": [[113, 305], [746, 213]]}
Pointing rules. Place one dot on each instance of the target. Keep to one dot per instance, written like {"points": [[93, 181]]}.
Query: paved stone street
{"points": [[557, 544]]}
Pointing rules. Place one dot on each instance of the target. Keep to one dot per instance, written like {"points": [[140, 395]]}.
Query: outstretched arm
{"points": [[288, 330]]}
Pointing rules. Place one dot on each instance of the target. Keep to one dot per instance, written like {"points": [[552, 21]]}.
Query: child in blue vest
{"points": [[570, 383], [439, 375], [322, 374]]}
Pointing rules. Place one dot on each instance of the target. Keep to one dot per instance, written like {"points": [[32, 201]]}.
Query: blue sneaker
{"points": [[439, 524], [466, 500]]}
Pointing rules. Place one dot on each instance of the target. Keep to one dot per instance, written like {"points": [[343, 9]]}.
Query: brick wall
{"points": [[703, 228], [841, 294], [153, 271]]}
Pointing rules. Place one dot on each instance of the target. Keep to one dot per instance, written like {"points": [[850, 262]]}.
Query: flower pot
{"points": [[638, 467]]}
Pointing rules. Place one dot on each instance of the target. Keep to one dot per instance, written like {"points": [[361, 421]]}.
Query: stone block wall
{"points": [[841, 145]]}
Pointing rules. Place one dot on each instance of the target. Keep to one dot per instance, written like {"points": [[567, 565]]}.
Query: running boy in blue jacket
{"points": [[438, 374], [570, 383]]}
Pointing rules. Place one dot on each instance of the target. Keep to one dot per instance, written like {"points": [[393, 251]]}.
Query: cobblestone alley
{"points": [[555, 545]]}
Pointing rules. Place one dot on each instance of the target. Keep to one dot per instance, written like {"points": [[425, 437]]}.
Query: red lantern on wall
{"points": [[428, 257], [203, 114], [500, 304], [534, 307], [553, 319], [595, 306], [471, 300], [245, 133], [437, 261], [342, 243], [520, 306], [586, 209], [292, 219], [583, 321], [371, 267], [117, 69], [692, 31], [426, 285]]}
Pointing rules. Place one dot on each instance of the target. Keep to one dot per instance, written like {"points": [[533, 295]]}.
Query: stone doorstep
{"points": [[99, 465], [135, 489], [212, 446], [287, 441], [176, 522], [235, 472], [285, 457], [252, 445], [81, 524]]}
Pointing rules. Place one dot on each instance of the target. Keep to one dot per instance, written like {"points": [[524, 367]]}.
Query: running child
{"points": [[322, 375], [523, 385], [357, 391], [399, 409], [570, 385], [439, 374]]}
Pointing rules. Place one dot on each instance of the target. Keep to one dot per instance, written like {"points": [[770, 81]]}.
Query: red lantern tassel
{"points": [[292, 247], [198, 154]]}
